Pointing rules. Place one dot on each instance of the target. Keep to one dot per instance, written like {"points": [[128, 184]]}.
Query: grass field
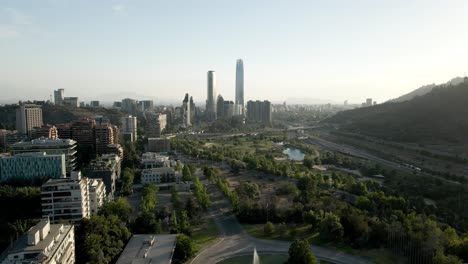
{"points": [[205, 233]]}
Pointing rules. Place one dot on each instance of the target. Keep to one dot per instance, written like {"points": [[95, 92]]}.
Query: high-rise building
{"points": [[28, 116], [129, 127], [94, 104], [59, 96], [193, 110], [155, 123], [97, 194], [186, 111], [66, 199], [369, 102], [43, 243], [66, 147], [159, 144], [71, 101], [104, 135], [146, 105], [239, 87], [129, 106], [228, 109], [82, 131], [220, 106], [211, 97], [259, 112], [32, 166]]}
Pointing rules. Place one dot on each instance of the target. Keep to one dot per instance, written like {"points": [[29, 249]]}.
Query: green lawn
{"points": [[205, 233]]}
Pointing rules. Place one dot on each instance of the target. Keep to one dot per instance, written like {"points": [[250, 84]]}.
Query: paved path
{"points": [[235, 241]]}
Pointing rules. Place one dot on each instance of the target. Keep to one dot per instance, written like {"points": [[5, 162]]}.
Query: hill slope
{"points": [[426, 89], [439, 117]]}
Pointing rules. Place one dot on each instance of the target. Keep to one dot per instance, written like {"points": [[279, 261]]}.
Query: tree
{"points": [[331, 228], [121, 208], [186, 174], [301, 253], [269, 228], [184, 249]]}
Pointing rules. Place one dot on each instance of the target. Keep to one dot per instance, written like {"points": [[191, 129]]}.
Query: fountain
{"points": [[256, 259]]}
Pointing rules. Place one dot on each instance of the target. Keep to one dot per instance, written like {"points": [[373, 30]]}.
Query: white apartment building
{"points": [[43, 243], [160, 175], [97, 194]]}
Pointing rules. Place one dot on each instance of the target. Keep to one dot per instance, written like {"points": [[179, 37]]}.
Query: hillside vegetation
{"points": [[439, 117]]}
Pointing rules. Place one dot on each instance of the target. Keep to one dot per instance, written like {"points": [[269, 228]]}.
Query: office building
{"points": [[160, 175], [45, 131], [185, 111], [28, 116], [66, 147], [32, 166], [369, 102], [159, 145], [66, 199], [211, 96], [43, 244], [129, 128], [149, 248], [59, 96], [106, 167], [146, 105], [220, 107], [97, 194], [193, 110], [9, 137], [129, 106], [259, 112], [71, 101], [155, 123], [94, 104], [239, 88]]}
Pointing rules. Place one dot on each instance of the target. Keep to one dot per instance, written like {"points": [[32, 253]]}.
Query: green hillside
{"points": [[439, 117]]}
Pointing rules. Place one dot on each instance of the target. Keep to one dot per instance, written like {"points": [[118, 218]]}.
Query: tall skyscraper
{"points": [[28, 116], [186, 111], [211, 98], [239, 87]]}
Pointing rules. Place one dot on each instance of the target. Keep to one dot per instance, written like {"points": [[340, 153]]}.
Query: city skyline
{"points": [[331, 51]]}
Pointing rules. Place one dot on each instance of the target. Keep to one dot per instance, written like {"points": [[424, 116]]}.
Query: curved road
{"points": [[235, 241]]}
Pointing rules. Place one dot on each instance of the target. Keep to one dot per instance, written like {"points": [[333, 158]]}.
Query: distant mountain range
{"points": [[426, 89], [439, 116]]}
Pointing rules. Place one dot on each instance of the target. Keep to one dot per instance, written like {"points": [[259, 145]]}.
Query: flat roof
{"points": [[139, 245]]}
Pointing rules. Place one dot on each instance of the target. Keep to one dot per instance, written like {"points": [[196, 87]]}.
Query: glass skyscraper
{"points": [[240, 87]]}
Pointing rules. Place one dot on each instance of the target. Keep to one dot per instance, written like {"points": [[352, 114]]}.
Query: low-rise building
{"points": [[32, 166], [43, 243], [151, 160], [160, 175], [50, 146], [148, 248]]}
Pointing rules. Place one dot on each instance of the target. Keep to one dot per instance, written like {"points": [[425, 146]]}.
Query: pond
{"points": [[294, 154], [264, 258]]}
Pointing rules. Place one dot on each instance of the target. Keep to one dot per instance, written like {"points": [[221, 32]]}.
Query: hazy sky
{"points": [[329, 49]]}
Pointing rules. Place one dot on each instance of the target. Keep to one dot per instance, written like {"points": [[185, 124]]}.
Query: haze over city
{"points": [[336, 51]]}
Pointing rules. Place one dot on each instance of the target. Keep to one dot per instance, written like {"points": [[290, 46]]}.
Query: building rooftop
{"points": [[45, 141], [148, 248], [55, 236]]}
